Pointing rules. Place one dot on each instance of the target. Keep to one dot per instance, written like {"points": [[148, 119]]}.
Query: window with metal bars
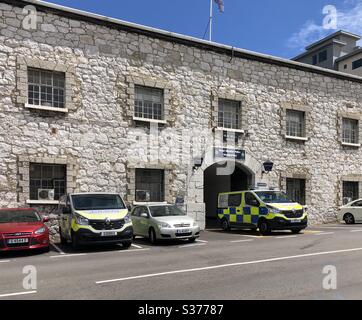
{"points": [[350, 190], [47, 176], [350, 131], [295, 123], [229, 114], [296, 190], [148, 103], [46, 88], [150, 185]]}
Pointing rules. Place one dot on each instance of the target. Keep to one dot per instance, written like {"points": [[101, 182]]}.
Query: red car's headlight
{"points": [[40, 230]]}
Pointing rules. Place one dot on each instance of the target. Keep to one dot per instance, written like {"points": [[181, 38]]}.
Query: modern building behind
{"points": [[338, 51], [89, 103]]}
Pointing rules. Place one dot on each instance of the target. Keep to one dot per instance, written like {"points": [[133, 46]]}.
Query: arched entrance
{"points": [[240, 179]]}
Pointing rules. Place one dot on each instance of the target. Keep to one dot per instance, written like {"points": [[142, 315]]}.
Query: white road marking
{"points": [[237, 241], [136, 246], [69, 255], [57, 248], [230, 265], [248, 236], [192, 245], [132, 250], [203, 241], [322, 233], [16, 294], [285, 237], [359, 230], [326, 227], [4, 261]]}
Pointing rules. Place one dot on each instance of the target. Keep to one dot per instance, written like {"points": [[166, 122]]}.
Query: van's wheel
{"points": [[264, 227], [75, 242], [225, 225], [63, 241], [152, 236], [348, 218]]}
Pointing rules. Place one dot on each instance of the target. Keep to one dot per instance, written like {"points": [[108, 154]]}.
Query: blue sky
{"points": [[277, 27]]}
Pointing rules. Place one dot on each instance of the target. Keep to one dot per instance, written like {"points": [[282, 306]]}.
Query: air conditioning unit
{"points": [[143, 195], [45, 194]]}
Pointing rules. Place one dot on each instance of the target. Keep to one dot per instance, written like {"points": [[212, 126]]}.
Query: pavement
{"points": [[220, 265]]}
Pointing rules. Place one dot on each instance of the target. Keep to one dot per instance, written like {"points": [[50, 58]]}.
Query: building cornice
{"points": [[178, 38]]}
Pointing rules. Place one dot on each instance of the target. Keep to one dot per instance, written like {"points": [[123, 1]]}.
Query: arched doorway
{"points": [[240, 179]]}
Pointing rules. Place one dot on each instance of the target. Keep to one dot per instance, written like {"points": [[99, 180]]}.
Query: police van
{"points": [[263, 209]]}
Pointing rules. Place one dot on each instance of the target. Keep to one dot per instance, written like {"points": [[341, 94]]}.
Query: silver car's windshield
{"points": [[165, 211], [97, 202]]}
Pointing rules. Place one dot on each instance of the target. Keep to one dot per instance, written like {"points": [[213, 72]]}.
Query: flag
{"points": [[220, 3]]}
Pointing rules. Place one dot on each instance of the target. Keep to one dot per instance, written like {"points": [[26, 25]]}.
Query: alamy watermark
{"points": [[330, 278]]}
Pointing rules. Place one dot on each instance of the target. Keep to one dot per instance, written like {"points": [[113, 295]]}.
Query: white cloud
{"points": [[347, 19]]}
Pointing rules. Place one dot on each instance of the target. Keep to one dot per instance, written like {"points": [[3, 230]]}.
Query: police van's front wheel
{"points": [[225, 225], [264, 227]]}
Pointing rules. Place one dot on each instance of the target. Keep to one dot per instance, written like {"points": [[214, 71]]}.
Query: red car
{"points": [[23, 229]]}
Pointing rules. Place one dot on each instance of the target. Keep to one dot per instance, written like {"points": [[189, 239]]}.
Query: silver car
{"points": [[163, 222]]}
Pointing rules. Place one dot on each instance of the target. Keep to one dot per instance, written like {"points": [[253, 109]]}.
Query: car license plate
{"points": [[183, 231], [295, 220], [109, 234], [16, 241]]}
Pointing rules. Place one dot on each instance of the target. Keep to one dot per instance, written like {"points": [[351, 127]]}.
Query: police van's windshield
{"points": [[97, 202], [273, 197]]}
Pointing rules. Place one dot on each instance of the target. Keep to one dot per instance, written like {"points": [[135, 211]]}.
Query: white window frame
{"points": [[294, 132]]}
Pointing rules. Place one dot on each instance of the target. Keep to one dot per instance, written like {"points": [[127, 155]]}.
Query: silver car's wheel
{"points": [[348, 218], [152, 236]]}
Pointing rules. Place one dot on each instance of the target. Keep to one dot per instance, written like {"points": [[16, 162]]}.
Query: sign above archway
{"points": [[228, 153]]}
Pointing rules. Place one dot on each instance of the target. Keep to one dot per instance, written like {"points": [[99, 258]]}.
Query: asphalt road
{"points": [[234, 265]]}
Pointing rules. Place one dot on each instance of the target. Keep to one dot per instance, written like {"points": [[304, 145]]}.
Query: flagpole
{"points": [[210, 22]]}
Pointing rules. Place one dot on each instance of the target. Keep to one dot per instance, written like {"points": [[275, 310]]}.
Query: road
{"points": [[234, 265]]}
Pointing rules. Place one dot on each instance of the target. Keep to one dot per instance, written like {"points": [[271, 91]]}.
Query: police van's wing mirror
{"points": [[66, 210]]}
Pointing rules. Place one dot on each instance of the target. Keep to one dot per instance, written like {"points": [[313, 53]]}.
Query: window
{"points": [[234, 200], [315, 59], [296, 190], [295, 123], [356, 64], [357, 204], [46, 88], [322, 56], [250, 199], [148, 103], [229, 114], [149, 185], [47, 176], [350, 131], [350, 191]]}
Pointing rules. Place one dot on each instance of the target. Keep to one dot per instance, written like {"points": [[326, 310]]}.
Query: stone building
{"points": [[89, 103]]}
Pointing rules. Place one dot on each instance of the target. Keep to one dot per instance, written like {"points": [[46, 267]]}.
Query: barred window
{"points": [[46, 88], [350, 131], [350, 191], [296, 190], [295, 123], [149, 103], [149, 185], [229, 114], [47, 176]]}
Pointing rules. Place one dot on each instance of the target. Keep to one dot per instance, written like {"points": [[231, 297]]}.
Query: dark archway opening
{"points": [[214, 184]]}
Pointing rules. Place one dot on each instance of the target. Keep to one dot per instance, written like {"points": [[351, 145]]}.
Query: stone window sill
{"points": [[230, 130], [31, 106], [40, 202], [354, 145], [149, 120], [296, 138], [140, 203]]}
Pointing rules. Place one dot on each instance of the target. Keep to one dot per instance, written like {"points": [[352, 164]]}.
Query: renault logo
{"points": [[108, 221]]}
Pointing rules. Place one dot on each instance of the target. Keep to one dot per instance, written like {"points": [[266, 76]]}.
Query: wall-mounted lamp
{"points": [[198, 163], [268, 166]]}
